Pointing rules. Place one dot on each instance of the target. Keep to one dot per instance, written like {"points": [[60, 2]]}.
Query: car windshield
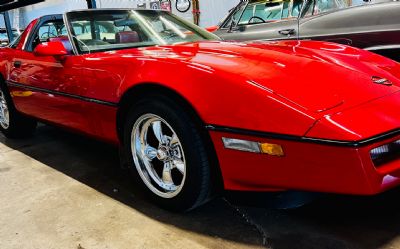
{"points": [[105, 30]]}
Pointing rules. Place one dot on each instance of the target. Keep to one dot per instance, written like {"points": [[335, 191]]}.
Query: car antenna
{"points": [[303, 8], [298, 27]]}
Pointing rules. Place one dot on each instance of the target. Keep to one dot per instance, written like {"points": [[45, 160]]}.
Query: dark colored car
{"points": [[374, 27]]}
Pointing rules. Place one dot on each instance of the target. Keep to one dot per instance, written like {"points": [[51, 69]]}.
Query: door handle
{"points": [[287, 32], [17, 64]]}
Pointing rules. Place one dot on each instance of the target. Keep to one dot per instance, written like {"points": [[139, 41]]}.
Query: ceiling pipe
{"points": [[6, 5], [7, 22], [196, 12], [91, 4]]}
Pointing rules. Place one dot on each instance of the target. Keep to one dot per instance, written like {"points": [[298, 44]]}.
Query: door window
{"points": [[265, 11], [46, 31], [296, 8], [316, 7], [51, 30], [234, 17], [329, 5], [285, 10]]}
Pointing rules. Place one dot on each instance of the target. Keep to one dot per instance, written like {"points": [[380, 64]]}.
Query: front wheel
{"points": [[167, 153]]}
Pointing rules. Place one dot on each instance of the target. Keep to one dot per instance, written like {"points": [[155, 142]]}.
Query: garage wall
{"points": [[133, 4], [212, 11], [29, 13]]}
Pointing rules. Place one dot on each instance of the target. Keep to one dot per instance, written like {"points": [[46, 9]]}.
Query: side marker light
{"points": [[253, 147]]}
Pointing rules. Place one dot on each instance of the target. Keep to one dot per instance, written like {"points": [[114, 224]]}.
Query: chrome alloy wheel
{"points": [[4, 112], [158, 155]]}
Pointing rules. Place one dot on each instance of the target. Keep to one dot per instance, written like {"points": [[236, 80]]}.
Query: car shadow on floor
{"points": [[329, 222]]}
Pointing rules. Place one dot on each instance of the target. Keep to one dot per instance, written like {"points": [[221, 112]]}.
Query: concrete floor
{"points": [[60, 190]]}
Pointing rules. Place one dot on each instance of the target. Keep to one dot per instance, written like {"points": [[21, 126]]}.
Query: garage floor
{"points": [[60, 190]]}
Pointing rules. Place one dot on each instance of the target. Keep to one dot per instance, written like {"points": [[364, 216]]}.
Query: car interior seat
{"points": [[127, 37]]}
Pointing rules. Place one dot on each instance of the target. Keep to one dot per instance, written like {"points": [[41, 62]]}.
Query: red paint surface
{"points": [[304, 88], [306, 166]]}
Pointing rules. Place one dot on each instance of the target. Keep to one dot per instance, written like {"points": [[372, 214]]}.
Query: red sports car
{"points": [[194, 114]]}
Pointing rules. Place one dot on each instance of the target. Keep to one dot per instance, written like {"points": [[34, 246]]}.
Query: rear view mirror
{"points": [[54, 48], [124, 22]]}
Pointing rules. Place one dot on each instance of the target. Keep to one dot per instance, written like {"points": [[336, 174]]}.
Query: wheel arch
{"points": [[143, 90]]}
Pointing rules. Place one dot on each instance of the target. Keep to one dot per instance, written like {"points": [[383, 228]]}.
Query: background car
{"points": [[4, 37], [375, 27]]}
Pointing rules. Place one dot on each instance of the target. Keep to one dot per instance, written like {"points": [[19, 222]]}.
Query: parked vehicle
{"points": [[4, 41], [374, 27], [195, 115]]}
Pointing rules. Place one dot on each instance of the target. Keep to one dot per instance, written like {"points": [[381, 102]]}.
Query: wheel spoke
{"points": [[166, 175], [150, 152], [174, 140], [158, 131], [180, 165], [168, 154], [138, 144]]}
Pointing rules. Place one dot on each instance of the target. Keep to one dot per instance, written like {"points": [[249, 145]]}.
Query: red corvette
{"points": [[193, 114]]}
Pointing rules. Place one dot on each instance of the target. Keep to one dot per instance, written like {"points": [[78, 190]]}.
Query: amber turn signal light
{"points": [[271, 149]]}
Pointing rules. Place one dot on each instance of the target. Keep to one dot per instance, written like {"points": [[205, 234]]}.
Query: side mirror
{"points": [[54, 48]]}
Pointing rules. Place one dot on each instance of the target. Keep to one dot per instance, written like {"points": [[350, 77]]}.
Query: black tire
{"points": [[196, 188], [19, 126]]}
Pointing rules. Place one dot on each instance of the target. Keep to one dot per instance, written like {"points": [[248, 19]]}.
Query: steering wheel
{"points": [[49, 34], [256, 17]]}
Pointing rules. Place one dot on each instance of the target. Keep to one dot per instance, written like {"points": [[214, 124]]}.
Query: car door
{"points": [[320, 21], [47, 87], [265, 20], [374, 27]]}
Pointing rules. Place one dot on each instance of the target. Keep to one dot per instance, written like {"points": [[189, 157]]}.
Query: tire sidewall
{"points": [[197, 167], [10, 106]]}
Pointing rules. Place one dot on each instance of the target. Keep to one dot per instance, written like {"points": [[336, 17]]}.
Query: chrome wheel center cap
{"points": [[162, 153]]}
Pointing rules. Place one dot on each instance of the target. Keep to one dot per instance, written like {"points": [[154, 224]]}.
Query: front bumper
{"points": [[307, 165]]}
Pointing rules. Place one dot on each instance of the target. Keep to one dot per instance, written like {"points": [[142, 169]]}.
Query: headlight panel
{"points": [[385, 153]]}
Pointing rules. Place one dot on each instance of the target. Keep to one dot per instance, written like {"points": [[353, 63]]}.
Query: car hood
{"points": [[319, 77], [369, 120]]}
